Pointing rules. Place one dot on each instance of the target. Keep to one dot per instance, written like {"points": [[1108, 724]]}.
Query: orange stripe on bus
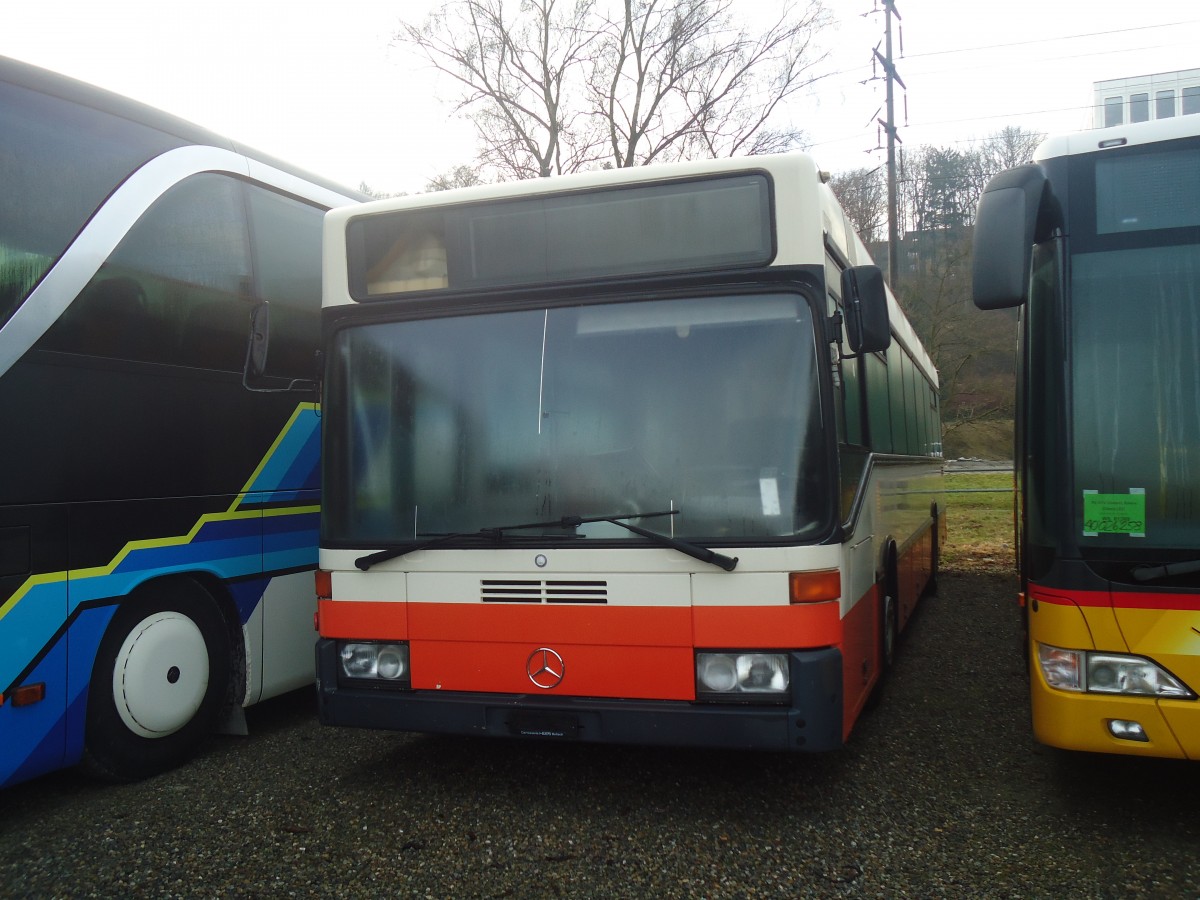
{"points": [[628, 626], [767, 627], [588, 670], [362, 620]]}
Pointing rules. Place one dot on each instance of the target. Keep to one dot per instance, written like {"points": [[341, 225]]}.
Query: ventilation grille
{"points": [[493, 590]]}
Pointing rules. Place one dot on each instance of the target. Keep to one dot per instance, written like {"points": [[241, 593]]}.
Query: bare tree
{"points": [[1008, 147], [863, 195], [675, 79], [556, 86], [516, 68], [458, 177], [377, 195]]}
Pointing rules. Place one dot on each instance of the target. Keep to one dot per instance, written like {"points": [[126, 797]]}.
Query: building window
{"points": [[1164, 104], [1139, 107], [1113, 107], [1191, 100]]}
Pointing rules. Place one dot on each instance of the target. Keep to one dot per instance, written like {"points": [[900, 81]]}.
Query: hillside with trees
{"points": [[938, 191]]}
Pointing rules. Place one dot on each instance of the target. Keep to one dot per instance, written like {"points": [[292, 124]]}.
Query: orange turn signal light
{"points": [[814, 587], [26, 695], [324, 582]]}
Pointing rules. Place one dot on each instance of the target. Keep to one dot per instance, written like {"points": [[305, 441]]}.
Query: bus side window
{"points": [[286, 238], [878, 410], [175, 290]]}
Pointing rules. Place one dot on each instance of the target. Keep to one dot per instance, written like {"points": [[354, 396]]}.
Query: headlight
{"points": [[1108, 673], [742, 676], [384, 663]]}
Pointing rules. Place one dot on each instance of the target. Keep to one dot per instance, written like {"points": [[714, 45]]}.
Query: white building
{"points": [[1146, 97]]}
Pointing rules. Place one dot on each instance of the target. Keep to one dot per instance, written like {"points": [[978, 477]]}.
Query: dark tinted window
{"points": [[879, 411], [58, 162], [286, 236], [176, 290], [707, 405], [1144, 191], [1135, 320]]}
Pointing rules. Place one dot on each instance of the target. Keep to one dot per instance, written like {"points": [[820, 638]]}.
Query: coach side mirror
{"points": [[865, 300], [257, 345], [1005, 225], [260, 339]]}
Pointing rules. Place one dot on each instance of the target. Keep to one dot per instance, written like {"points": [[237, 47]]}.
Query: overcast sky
{"points": [[318, 83]]}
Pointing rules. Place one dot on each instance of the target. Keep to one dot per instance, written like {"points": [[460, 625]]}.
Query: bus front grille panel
{"points": [[495, 590]]}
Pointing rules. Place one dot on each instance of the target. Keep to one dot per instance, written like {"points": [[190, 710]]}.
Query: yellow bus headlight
{"points": [[1108, 673]]}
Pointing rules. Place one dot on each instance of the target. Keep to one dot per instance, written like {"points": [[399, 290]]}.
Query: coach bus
{"points": [[645, 456], [1098, 243], [158, 519]]}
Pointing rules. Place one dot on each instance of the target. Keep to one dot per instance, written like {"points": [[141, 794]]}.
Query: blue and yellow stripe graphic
{"points": [[269, 527]]}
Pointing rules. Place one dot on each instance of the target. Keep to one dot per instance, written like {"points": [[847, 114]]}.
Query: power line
{"points": [[1067, 37]]}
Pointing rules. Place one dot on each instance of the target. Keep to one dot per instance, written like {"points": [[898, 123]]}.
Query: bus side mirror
{"points": [[865, 300], [257, 346], [259, 341], [1002, 249]]}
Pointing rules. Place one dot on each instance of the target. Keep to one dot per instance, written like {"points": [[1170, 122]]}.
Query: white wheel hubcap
{"points": [[160, 675]]}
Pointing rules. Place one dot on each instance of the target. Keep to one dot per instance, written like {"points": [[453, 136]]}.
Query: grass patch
{"points": [[979, 521]]}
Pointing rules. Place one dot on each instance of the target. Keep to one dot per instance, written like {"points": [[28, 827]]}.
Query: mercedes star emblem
{"points": [[545, 668]]}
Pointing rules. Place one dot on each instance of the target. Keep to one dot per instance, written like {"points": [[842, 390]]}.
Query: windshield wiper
{"points": [[497, 534], [728, 563], [1153, 573]]}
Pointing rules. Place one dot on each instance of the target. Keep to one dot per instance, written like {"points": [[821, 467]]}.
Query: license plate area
{"points": [[525, 723]]}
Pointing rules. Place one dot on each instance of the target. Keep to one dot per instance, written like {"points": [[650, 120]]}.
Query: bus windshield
{"points": [[706, 405], [1136, 336]]}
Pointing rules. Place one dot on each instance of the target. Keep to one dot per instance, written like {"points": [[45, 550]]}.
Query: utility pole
{"points": [[893, 138]]}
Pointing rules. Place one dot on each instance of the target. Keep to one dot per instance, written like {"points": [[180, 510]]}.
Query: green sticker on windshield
{"points": [[1114, 513]]}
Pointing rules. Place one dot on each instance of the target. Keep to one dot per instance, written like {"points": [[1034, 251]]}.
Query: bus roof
{"points": [[1127, 135], [44, 81], [598, 178], [796, 173]]}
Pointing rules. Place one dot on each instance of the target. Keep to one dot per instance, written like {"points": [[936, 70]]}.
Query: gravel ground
{"points": [[941, 793]]}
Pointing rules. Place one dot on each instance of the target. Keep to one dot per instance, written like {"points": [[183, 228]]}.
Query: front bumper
{"points": [[811, 721]]}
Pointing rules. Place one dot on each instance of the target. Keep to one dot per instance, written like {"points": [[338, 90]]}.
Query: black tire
{"points": [[159, 681], [889, 631], [931, 586], [889, 634], [935, 559]]}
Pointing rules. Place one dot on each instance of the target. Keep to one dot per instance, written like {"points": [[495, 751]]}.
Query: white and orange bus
{"points": [[601, 464]]}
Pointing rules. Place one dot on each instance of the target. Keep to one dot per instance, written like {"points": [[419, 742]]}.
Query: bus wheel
{"points": [[888, 633], [887, 629], [158, 682], [931, 586]]}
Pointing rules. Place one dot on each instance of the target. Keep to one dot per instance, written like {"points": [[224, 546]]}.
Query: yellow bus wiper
{"points": [[1153, 573]]}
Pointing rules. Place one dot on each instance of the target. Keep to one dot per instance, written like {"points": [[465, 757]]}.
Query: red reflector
{"points": [[814, 587], [324, 584], [28, 694]]}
